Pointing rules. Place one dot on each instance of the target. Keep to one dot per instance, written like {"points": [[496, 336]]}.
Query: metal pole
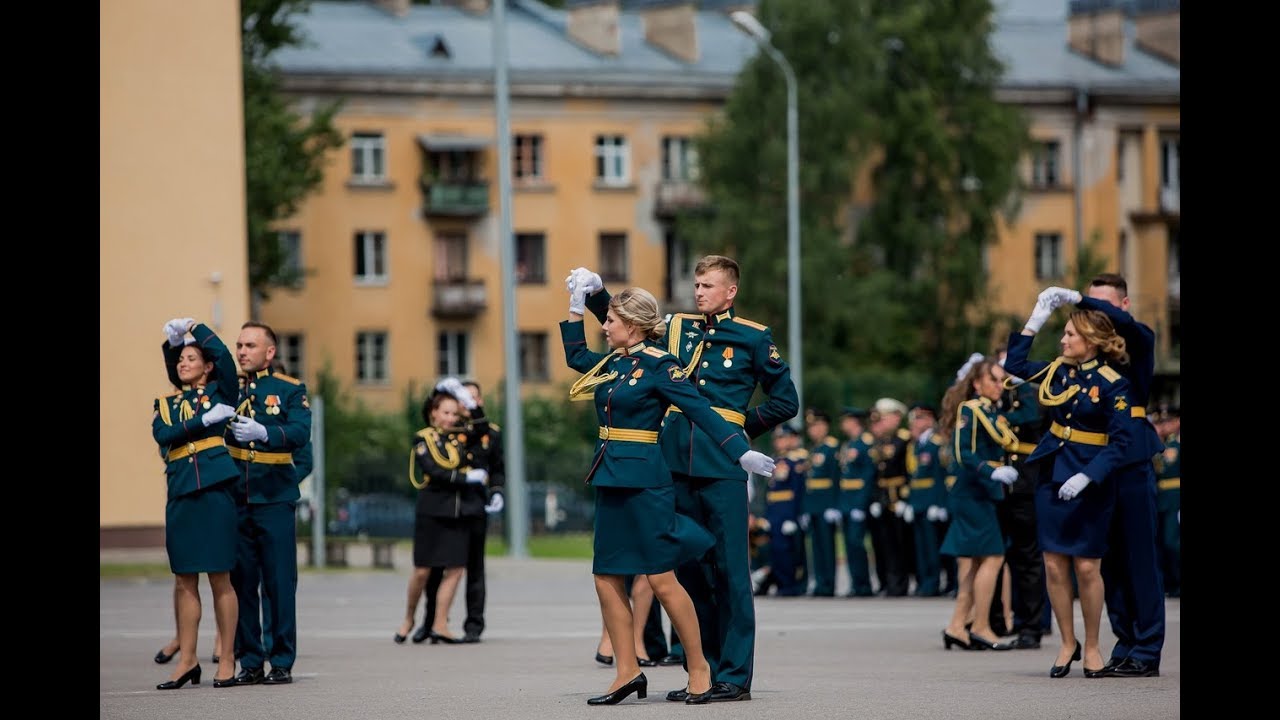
{"points": [[317, 481], [517, 494]]}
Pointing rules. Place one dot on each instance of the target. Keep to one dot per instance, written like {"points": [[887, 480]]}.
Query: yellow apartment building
{"points": [[171, 226]]}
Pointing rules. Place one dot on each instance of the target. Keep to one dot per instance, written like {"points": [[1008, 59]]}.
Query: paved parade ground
{"points": [[867, 658]]}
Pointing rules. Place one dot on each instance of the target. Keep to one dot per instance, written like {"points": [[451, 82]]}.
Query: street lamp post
{"points": [[751, 26]]}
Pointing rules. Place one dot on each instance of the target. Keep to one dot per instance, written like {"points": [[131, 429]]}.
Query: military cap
{"points": [[785, 429], [816, 415], [887, 405], [923, 408], [852, 411]]}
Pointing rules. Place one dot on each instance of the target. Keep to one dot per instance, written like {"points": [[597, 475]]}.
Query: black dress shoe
{"points": [[421, 635], [161, 658], [1134, 668], [699, 698], [399, 638], [724, 692], [470, 638], [250, 676], [1060, 671], [224, 682], [193, 675], [279, 676], [1027, 642], [646, 662], [977, 642], [670, 660], [439, 638], [604, 659], [948, 640], [639, 686], [682, 694]]}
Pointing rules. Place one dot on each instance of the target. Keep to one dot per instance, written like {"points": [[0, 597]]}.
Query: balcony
{"points": [[455, 199], [1169, 200], [459, 299], [675, 196]]}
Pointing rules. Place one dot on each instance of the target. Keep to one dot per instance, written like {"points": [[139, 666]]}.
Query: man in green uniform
{"points": [[857, 478], [1169, 500], [889, 538], [927, 472], [822, 500], [726, 357]]}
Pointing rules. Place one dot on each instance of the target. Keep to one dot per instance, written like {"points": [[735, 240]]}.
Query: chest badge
{"points": [[728, 357], [273, 404], [636, 376], [1093, 393]]}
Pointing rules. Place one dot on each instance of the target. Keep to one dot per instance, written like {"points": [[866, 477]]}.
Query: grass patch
{"points": [[575, 546], [134, 570]]}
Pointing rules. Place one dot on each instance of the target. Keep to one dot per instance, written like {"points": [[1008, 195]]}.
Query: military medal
{"points": [[273, 404], [636, 374], [728, 357]]}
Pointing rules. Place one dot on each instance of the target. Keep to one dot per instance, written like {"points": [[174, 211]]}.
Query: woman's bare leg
{"points": [[1089, 577], [444, 598], [188, 599], [966, 568], [675, 600], [226, 611], [1057, 578], [641, 601], [417, 581], [615, 607]]}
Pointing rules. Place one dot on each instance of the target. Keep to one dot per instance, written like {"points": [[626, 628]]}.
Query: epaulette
{"points": [[904, 434], [830, 441], [287, 378], [686, 316], [868, 438], [1109, 373], [655, 352], [798, 454], [750, 323], [494, 426]]}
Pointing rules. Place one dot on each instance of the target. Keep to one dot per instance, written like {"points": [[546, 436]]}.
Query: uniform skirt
{"points": [[639, 532], [1077, 527], [201, 530], [439, 541], [974, 530]]}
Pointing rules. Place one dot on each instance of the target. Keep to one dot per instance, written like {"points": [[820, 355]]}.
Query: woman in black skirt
{"points": [[637, 529], [445, 458]]}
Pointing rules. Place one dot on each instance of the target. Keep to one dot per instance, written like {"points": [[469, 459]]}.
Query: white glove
{"points": [[876, 508], [175, 329], [246, 429], [1039, 315], [931, 513], [1005, 474], [899, 507], [909, 514], [589, 281], [578, 300], [831, 515], [789, 527], [477, 476], [968, 365], [857, 515], [454, 387], [496, 503], [804, 522], [217, 414], [942, 514], [756, 462], [1056, 297], [1073, 486]]}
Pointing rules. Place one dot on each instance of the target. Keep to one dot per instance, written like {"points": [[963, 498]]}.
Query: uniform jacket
{"points": [[1140, 343], [926, 466], [857, 474], [442, 458], [733, 356], [1168, 466], [890, 455], [267, 472], [646, 381], [195, 456], [822, 486], [785, 494], [978, 452]]}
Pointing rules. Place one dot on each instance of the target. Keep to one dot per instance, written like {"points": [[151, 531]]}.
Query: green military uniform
{"points": [[822, 493], [857, 478], [975, 529], [266, 495], [199, 528], [927, 469], [725, 358], [1168, 466]]}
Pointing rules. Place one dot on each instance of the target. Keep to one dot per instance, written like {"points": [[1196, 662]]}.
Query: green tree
{"points": [[893, 293], [284, 152]]}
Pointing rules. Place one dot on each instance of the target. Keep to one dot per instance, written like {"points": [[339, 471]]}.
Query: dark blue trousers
{"points": [[267, 553], [855, 556], [782, 559], [1131, 567], [928, 559], [822, 548]]}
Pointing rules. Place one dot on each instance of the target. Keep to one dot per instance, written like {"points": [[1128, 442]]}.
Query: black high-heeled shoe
{"points": [[446, 639], [698, 698], [225, 682], [421, 635], [161, 658], [399, 638], [639, 686], [193, 675], [646, 662], [604, 659], [977, 642], [948, 640], [1060, 671]]}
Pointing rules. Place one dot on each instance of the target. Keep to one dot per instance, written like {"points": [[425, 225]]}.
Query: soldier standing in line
{"points": [[783, 501], [893, 551], [928, 491], [1169, 500], [821, 500], [857, 481]]}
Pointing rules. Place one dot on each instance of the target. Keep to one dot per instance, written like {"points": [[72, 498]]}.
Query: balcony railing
{"points": [[456, 199], [673, 196], [459, 298], [1170, 198]]}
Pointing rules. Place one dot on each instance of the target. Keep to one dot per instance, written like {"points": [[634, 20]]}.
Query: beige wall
{"points": [[172, 206]]}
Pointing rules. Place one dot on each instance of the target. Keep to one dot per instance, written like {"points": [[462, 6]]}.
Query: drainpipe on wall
{"points": [[1077, 173]]}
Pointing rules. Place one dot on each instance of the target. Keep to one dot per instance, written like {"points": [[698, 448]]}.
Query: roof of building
{"points": [[446, 42]]}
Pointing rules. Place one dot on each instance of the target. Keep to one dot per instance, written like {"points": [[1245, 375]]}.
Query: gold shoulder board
{"points": [[1109, 373], [287, 378], [750, 323], [831, 442], [655, 352], [904, 434]]}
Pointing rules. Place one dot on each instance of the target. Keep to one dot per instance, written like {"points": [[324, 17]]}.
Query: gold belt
{"points": [[891, 482], [779, 495], [819, 484], [1169, 484], [922, 484], [625, 435], [192, 448], [261, 457], [1083, 437], [732, 416], [1023, 448], [852, 484]]}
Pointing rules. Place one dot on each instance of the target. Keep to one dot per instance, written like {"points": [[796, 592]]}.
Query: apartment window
{"points": [[1170, 174], [291, 250], [613, 160], [613, 256], [371, 357], [1045, 164], [679, 159], [1048, 256], [1120, 158], [527, 157], [454, 166], [368, 157], [451, 257], [531, 254], [451, 354], [371, 258], [1124, 252], [533, 357], [290, 352]]}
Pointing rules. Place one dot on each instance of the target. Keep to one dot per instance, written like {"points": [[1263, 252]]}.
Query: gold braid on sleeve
{"points": [[1046, 396], [584, 388]]}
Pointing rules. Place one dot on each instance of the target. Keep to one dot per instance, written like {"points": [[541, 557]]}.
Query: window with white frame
{"points": [[371, 357], [613, 256], [679, 158], [451, 354], [451, 257], [1045, 164], [613, 160], [291, 251], [1048, 256], [290, 351], [533, 357], [1170, 174], [371, 258], [531, 258], [368, 157], [526, 157]]}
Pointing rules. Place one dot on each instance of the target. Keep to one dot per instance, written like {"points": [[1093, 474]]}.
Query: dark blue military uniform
{"points": [[1169, 505], [266, 495], [783, 500], [725, 357], [926, 467], [822, 493], [857, 479], [199, 528]]}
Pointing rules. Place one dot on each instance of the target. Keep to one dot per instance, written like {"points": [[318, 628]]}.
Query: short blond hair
{"points": [[718, 262], [638, 308]]}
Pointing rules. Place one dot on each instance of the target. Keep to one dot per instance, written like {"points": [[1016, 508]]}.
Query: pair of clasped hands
{"points": [[245, 429]]}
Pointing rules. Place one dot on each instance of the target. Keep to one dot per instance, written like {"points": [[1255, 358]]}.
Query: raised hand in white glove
{"points": [[1005, 474], [578, 300], [942, 514], [908, 514], [217, 414], [857, 515], [831, 515], [1073, 486], [876, 508], [246, 429], [588, 281], [1179, 517], [496, 503], [756, 462], [175, 329], [477, 476], [1056, 297], [454, 387], [1039, 314], [789, 527]]}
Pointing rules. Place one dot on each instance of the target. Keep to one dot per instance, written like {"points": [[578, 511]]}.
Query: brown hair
{"points": [[432, 402], [1114, 280], [960, 391], [718, 262], [1096, 329], [271, 334], [638, 308]]}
